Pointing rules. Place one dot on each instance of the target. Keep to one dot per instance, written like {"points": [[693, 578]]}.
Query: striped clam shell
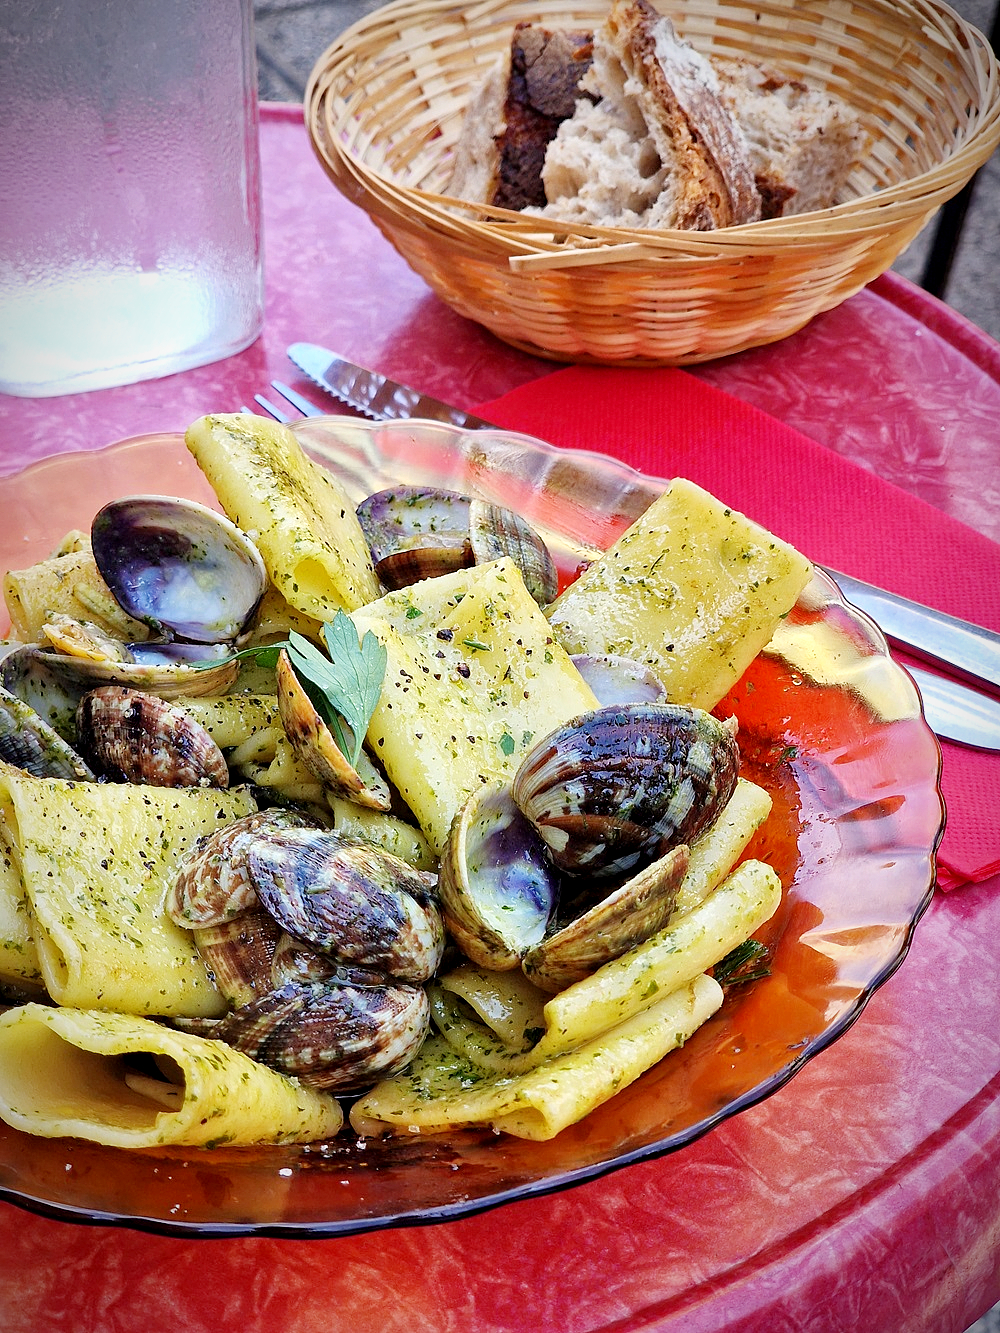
{"points": [[131, 736]]}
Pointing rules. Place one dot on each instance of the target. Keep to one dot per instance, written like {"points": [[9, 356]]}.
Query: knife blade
{"points": [[968, 651], [376, 395], [958, 714]]}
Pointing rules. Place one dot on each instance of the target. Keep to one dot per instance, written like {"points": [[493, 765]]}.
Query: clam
{"points": [[497, 887], [619, 680], [616, 788], [130, 736], [495, 531], [338, 1037], [313, 743], [213, 885], [419, 532], [82, 638], [239, 954], [632, 913], [298, 962], [179, 567], [28, 742], [53, 683], [416, 532], [351, 900]]}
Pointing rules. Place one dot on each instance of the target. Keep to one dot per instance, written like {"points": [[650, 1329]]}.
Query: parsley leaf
{"points": [[345, 687]]}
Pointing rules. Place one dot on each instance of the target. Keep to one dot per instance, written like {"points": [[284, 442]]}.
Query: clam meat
{"points": [[614, 789]]}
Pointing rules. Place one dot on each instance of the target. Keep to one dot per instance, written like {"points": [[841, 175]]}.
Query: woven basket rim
{"points": [[647, 296]]}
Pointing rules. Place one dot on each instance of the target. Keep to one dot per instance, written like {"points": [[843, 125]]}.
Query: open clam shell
{"points": [[54, 683], [626, 917], [619, 680], [498, 889], [420, 532], [314, 744], [178, 567], [28, 742]]}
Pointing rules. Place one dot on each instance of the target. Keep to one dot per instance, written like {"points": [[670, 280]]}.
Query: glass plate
{"points": [[828, 723]]}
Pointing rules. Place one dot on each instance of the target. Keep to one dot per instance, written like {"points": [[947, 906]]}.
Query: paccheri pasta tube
{"points": [[79, 1073], [441, 1090], [96, 861], [297, 513]]}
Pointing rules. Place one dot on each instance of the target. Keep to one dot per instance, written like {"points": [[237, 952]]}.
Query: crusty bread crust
{"points": [[544, 83], [683, 103], [476, 165], [659, 148]]}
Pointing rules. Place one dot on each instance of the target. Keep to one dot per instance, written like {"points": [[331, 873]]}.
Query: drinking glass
{"points": [[130, 237]]}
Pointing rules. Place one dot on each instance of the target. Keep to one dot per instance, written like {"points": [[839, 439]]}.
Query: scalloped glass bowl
{"points": [[828, 723]]}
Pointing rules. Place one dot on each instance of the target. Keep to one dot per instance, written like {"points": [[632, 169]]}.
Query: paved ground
{"points": [[292, 34]]}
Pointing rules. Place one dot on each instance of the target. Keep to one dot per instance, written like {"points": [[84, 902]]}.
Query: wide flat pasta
{"points": [[474, 677], [77, 1073], [19, 965], [96, 861]]}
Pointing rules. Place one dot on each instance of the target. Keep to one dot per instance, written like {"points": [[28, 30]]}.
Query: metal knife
{"points": [[958, 714], [373, 394], [968, 651]]}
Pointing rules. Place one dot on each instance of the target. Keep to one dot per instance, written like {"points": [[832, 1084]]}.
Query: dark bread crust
{"points": [[542, 88]]}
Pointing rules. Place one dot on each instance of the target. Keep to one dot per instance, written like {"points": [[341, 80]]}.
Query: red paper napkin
{"points": [[669, 423]]}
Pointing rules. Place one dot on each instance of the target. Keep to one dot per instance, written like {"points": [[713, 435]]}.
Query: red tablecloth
{"points": [[864, 1195]]}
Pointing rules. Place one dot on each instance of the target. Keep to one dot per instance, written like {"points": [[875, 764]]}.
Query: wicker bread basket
{"points": [[385, 103]]}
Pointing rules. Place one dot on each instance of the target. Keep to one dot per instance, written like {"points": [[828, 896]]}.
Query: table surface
{"points": [[889, 1218]]}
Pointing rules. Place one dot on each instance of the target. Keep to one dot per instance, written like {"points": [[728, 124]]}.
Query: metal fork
{"points": [[290, 395]]}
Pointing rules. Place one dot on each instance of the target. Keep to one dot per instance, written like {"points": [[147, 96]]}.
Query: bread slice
{"points": [[803, 142], [659, 148], [527, 95]]}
